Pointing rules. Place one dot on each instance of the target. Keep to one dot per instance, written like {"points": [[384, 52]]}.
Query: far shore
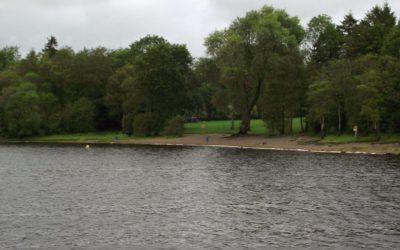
{"points": [[299, 143]]}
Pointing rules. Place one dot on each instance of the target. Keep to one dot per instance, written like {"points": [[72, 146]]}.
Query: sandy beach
{"points": [[275, 143], [300, 143]]}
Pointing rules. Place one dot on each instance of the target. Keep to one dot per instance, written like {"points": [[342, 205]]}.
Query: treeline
{"points": [[264, 65]]}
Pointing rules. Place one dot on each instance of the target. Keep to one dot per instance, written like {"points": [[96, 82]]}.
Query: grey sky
{"points": [[118, 23]]}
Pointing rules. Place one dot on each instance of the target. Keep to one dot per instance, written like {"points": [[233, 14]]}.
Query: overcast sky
{"points": [[118, 23]]}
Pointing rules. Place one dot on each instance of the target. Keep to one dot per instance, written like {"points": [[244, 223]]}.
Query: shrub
{"points": [[175, 126], [145, 125]]}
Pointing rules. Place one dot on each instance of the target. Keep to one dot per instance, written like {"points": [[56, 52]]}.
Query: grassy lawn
{"points": [[223, 127], [208, 127], [347, 138], [95, 136]]}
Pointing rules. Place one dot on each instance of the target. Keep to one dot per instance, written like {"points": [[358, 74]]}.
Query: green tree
{"points": [[87, 76], [247, 51], [391, 46], [348, 28], [283, 95], [20, 110], [321, 102], [79, 116], [50, 112], [29, 64], [370, 99], [50, 47], [8, 57], [117, 90], [339, 75], [206, 77], [158, 85], [389, 73], [323, 41], [9, 77], [373, 29]]}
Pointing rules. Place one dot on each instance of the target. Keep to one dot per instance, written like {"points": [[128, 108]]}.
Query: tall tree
{"points": [[117, 92], [247, 51], [323, 41], [20, 110], [206, 77], [29, 64], [321, 102], [282, 98], [339, 75], [370, 99], [50, 48], [87, 77], [8, 56], [160, 78], [374, 28], [391, 45], [155, 82], [79, 115], [348, 28]]}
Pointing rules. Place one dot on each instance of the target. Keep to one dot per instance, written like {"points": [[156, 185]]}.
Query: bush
{"points": [[175, 126], [145, 125]]}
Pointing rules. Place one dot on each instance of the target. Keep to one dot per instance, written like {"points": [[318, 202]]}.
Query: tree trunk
{"points": [[377, 131], [232, 123], [245, 123], [283, 121], [322, 120], [301, 124], [339, 119], [306, 126], [246, 115]]}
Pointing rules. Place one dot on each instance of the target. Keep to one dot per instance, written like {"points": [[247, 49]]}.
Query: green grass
{"points": [[223, 127], [95, 136], [348, 138], [390, 138], [210, 127]]}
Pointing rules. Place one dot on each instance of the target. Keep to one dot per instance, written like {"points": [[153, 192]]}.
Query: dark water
{"points": [[54, 197]]}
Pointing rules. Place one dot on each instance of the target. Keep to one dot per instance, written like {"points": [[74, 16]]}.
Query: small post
{"points": [[355, 130]]}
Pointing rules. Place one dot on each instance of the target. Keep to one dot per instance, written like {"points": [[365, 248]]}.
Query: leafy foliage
{"points": [[20, 110], [246, 53], [175, 126], [146, 125], [265, 65], [79, 116]]}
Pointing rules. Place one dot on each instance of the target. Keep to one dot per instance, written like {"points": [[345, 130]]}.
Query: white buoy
{"points": [[87, 146]]}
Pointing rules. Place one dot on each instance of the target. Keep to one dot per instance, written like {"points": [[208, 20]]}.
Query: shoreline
{"points": [[254, 142]]}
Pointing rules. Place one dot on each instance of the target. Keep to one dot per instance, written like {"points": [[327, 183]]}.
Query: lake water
{"points": [[67, 197]]}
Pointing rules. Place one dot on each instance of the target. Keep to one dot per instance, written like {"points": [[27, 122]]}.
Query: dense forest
{"points": [[264, 65]]}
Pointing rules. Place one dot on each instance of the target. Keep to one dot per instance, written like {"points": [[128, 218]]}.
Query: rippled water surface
{"points": [[66, 197]]}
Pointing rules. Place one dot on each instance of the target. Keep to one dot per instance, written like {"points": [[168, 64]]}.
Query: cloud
{"points": [[118, 23]]}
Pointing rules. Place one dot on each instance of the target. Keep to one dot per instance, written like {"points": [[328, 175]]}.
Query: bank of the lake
{"points": [[296, 143]]}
